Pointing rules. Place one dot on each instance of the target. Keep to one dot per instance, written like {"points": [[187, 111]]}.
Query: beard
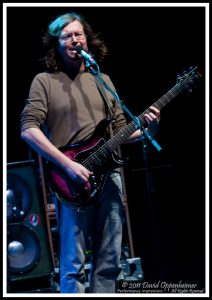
{"points": [[72, 66]]}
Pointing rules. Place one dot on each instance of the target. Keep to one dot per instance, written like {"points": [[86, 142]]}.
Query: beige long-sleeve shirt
{"points": [[68, 111]]}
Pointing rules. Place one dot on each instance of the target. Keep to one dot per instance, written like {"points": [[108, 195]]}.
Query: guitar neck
{"points": [[111, 145], [121, 137], [126, 132]]}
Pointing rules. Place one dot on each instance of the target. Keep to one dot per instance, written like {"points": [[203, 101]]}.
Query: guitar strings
{"points": [[108, 147], [112, 144]]}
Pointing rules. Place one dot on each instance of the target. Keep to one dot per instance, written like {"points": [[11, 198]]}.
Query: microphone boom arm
{"points": [[90, 63]]}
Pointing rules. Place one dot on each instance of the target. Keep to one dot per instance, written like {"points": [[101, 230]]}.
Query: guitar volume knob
{"points": [[93, 177]]}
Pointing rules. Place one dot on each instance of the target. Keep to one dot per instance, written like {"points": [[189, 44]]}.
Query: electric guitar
{"points": [[98, 155]]}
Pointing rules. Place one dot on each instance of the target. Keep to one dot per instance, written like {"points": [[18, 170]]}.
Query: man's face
{"points": [[71, 36]]}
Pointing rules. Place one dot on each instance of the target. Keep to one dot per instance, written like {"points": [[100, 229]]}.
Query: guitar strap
{"points": [[109, 109]]}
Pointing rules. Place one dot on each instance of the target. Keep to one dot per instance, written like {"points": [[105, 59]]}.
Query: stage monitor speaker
{"points": [[28, 247]]}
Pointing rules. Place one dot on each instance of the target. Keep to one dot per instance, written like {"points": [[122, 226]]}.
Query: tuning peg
{"points": [[188, 88], [178, 77]]}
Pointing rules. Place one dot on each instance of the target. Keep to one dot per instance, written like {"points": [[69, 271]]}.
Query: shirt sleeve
{"points": [[36, 106]]}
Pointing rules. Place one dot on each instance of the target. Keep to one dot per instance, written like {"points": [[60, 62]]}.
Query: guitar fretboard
{"points": [[121, 137]]}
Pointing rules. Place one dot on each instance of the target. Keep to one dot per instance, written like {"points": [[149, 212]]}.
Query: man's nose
{"points": [[74, 38]]}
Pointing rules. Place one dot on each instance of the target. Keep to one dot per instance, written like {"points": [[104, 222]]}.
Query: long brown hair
{"points": [[52, 60]]}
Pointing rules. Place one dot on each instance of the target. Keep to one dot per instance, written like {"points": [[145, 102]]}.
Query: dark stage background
{"points": [[148, 48]]}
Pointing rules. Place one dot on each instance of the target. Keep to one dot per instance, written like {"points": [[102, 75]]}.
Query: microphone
{"points": [[85, 55]]}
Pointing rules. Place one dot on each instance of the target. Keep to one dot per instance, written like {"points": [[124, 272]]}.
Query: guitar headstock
{"points": [[188, 79]]}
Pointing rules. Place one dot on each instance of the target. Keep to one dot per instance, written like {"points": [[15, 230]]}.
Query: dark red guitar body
{"points": [[84, 153]]}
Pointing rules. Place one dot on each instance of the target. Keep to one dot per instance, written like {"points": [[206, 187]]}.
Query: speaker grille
{"points": [[24, 250], [19, 200]]}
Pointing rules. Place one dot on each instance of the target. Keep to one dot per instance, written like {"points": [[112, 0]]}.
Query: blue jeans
{"points": [[102, 221]]}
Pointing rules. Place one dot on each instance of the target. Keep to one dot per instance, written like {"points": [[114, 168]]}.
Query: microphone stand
{"points": [[146, 136], [150, 205], [125, 109]]}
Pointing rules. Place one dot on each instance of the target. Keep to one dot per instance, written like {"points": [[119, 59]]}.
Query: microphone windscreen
{"points": [[78, 49]]}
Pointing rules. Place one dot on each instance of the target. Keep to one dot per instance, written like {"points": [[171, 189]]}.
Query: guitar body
{"points": [[76, 193]]}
